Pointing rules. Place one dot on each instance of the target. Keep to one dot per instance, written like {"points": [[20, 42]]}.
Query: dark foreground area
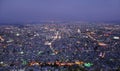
{"points": [[60, 47]]}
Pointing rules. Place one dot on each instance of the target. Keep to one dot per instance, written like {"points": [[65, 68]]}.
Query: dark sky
{"points": [[12, 11]]}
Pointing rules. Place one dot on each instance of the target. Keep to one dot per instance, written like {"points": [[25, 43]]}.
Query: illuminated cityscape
{"points": [[59, 35], [60, 47]]}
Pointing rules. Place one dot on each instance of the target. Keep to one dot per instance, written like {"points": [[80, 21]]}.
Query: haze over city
{"points": [[13, 11]]}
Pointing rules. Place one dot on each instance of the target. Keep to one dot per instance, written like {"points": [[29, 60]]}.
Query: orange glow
{"points": [[102, 44], [58, 63], [62, 64], [56, 52], [49, 63], [34, 63], [79, 62], [1, 38], [70, 64]]}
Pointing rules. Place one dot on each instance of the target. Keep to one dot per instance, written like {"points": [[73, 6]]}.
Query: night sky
{"points": [[12, 11]]}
